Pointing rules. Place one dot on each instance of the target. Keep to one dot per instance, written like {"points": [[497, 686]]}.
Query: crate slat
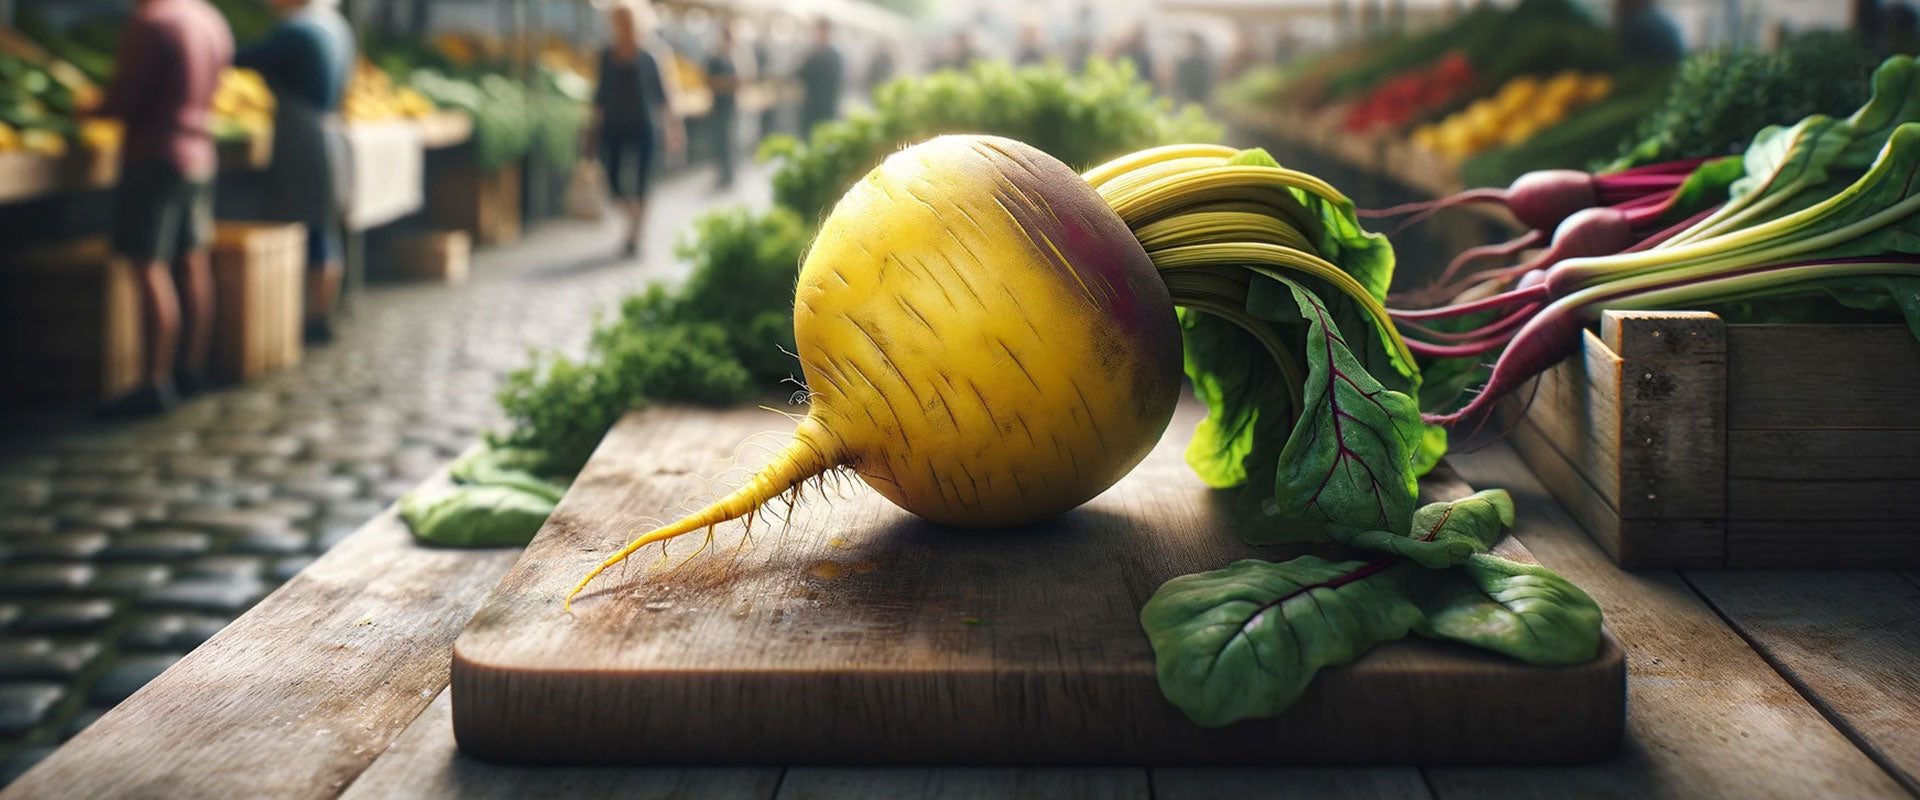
{"points": [[1680, 441], [1822, 376]]}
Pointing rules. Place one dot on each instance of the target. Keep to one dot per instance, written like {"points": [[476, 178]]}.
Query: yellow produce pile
{"points": [[372, 97], [1523, 107], [242, 105], [32, 140]]}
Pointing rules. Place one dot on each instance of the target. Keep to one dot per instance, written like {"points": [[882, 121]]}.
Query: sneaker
{"points": [[319, 331], [147, 401], [190, 382]]}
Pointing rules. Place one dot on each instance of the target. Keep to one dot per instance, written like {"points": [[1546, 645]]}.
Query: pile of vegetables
{"points": [[242, 105], [1824, 206], [1522, 107], [1405, 97]]}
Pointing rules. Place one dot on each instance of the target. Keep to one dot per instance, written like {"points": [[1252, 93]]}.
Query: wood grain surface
{"points": [[423, 763], [1707, 717], [297, 696], [1846, 640], [858, 634]]}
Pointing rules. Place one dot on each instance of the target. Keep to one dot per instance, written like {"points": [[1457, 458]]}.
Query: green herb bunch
{"points": [[1720, 97]]}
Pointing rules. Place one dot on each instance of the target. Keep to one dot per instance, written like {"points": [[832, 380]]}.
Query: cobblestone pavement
{"points": [[124, 545]]}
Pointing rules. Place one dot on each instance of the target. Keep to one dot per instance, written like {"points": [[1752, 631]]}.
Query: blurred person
{"points": [[723, 77], [1244, 55], [1132, 48], [1033, 45], [306, 60], [632, 115], [822, 76], [1647, 35], [961, 52], [1193, 73], [168, 67], [1080, 48], [880, 68]]}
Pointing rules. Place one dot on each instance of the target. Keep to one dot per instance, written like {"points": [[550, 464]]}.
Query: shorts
{"points": [[159, 213], [618, 150]]}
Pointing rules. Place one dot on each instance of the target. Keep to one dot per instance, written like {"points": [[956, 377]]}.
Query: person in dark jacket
{"points": [[632, 115], [723, 77], [306, 61], [822, 76], [171, 54], [1193, 73]]}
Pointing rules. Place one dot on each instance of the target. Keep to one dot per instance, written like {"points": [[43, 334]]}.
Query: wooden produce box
{"points": [[259, 275], [69, 324], [1680, 441], [461, 197], [437, 256]]}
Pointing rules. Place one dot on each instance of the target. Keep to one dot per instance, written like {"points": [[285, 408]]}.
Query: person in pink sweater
{"points": [[171, 55]]}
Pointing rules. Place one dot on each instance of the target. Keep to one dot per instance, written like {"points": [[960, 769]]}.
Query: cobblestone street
{"points": [[124, 545]]}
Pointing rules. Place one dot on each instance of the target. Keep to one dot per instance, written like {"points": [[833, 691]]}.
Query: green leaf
{"points": [[506, 466], [1705, 187], [1444, 534], [475, 516], [1883, 294], [1519, 610], [1243, 642], [1433, 447], [1246, 403], [1349, 460]]}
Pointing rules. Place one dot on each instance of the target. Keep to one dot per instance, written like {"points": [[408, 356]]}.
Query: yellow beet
{"points": [[985, 341]]}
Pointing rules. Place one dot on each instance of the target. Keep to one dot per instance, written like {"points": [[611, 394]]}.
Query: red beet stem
{"points": [[1472, 254], [1467, 350], [1671, 232], [1427, 208], [1512, 320], [1495, 303]]}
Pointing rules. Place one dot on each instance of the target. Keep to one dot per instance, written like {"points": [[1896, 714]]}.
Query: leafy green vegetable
{"points": [[1348, 464], [1443, 534], [503, 466], [476, 516], [1519, 610], [1080, 118], [1245, 641], [1720, 97]]}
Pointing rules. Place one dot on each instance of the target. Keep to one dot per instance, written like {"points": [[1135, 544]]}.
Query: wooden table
{"points": [[1742, 685]]}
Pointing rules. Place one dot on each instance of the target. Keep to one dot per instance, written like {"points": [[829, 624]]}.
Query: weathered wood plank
{"points": [[424, 763], [841, 635], [1303, 783], [1575, 406], [964, 783], [1868, 454], [1847, 544], [1672, 413], [1798, 376], [1707, 716], [1848, 640], [297, 696], [1630, 543]]}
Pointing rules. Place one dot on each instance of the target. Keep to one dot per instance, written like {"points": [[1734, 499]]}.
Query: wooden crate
{"points": [[437, 256], [1680, 441], [69, 325], [461, 197], [259, 275]]}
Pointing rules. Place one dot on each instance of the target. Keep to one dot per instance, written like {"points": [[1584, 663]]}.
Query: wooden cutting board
{"points": [[861, 634]]}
